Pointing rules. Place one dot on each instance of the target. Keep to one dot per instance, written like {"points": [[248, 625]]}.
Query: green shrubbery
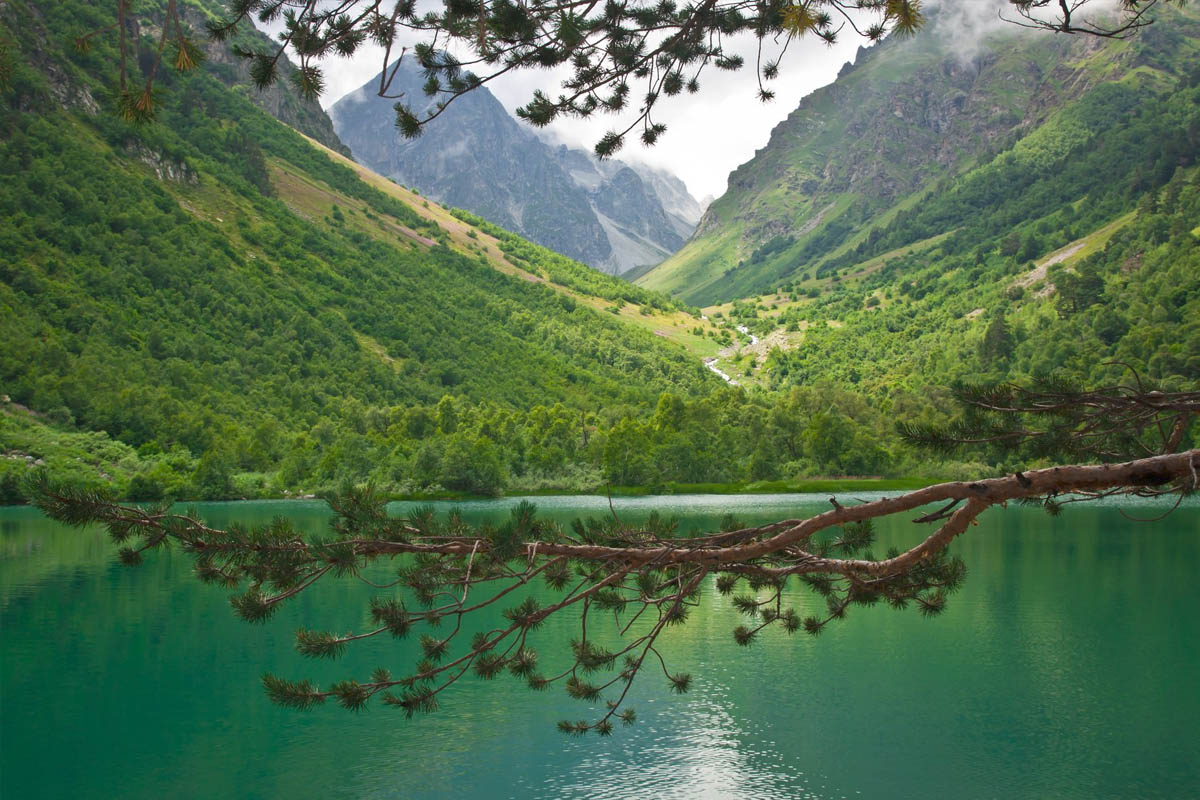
{"points": [[1136, 300], [222, 337]]}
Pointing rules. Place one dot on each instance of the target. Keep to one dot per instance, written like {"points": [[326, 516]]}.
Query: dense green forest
{"points": [[917, 139], [209, 306], [158, 286], [953, 313], [727, 439]]}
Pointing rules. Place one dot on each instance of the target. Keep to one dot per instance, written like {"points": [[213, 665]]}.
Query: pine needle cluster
{"points": [[606, 49], [1055, 418], [642, 580]]}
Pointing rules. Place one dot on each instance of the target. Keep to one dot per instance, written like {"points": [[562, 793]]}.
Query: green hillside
{"points": [[216, 305], [1017, 132], [1129, 292], [215, 285], [1079, 243]]}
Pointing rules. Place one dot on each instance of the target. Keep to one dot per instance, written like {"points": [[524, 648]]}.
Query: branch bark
{"points": [[624, 571]]}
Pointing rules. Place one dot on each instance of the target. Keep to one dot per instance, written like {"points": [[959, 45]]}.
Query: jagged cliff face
{"points": [[474, 157], [281, 99], [477, 157], [905, 115], [683, 210], [633, 204]]}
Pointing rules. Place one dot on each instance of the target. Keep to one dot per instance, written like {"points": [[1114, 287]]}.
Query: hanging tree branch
{"points": [[607, 49], [1056, 418], [1065, 16], [647, 577]]}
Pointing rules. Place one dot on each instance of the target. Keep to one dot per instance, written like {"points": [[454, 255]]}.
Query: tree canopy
{"points": [[620, 58]]}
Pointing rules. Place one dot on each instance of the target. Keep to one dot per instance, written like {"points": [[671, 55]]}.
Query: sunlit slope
{"points": [[509, 253], [902, 126], [192, 280], [1124, 296]]}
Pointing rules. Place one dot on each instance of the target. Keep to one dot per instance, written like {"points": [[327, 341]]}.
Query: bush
{"points": [[11, 492], [144, 486]]}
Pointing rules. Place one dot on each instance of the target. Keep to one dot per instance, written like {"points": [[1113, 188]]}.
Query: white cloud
{"points": [[709, 133], [712, 132]]}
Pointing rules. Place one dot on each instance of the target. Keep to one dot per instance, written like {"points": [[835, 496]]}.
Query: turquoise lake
{"points": [[1067, 667]]}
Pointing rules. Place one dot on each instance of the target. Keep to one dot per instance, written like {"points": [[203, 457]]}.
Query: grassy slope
{"points": [[701, 270], [782, 191], [280, 286], [776, 308], [672, 324], [1142, 314]]}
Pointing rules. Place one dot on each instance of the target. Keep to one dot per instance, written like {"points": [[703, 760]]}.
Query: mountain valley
{"points": [[612, 216], [221, 303]]}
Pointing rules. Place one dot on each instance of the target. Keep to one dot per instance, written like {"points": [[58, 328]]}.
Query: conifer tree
{"points": [[997, 343]]}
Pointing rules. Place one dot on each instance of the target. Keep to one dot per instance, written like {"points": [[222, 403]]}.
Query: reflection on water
{"points": [[1069, 666]]}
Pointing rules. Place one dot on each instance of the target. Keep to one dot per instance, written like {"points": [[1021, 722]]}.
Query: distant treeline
{"points": [[459, 446]]}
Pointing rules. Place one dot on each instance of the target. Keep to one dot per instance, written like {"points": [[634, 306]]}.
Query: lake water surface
{"points": [[1067, 667]]}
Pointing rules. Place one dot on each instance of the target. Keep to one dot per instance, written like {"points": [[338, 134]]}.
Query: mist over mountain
{"points": [[613, 216], [900, 125]]}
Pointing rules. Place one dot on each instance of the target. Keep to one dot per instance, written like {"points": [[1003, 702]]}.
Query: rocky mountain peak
{"points": [[610, 215]]}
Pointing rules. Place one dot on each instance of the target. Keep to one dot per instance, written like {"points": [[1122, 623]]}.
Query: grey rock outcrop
{"points": [[475, 156]]}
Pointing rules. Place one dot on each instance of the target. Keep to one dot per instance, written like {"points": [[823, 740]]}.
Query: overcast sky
{"points": [[712, 132], [709, 133]]}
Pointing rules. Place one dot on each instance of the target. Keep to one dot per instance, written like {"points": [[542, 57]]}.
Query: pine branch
{"points": [[611, 52], [615, 567], [1055, 418]]}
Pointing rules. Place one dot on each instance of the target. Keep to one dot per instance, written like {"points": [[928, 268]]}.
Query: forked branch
{"points": [[647, 577]]}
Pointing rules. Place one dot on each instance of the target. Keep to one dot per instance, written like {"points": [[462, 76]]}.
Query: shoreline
{"points": [[808, 486]]}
